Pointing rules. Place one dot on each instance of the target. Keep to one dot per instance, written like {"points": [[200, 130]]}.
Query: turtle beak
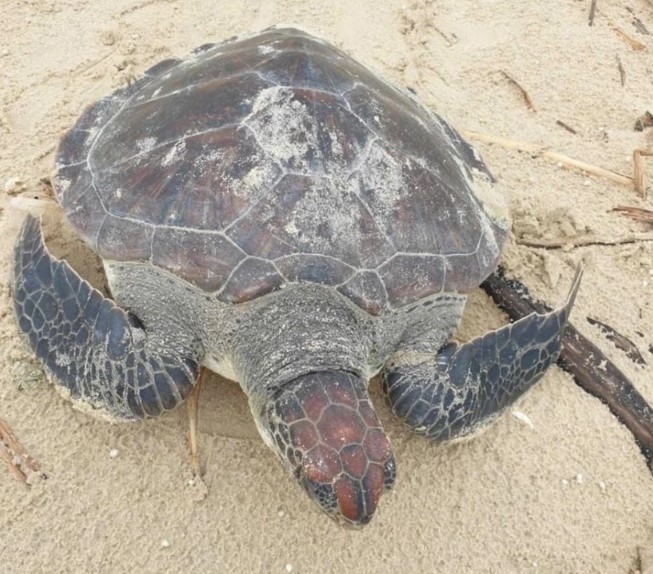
{"points": [[352, 501]]}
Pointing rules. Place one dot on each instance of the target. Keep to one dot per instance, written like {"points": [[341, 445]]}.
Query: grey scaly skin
{"points": [[312, 347]]}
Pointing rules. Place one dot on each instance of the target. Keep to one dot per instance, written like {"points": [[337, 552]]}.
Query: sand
{"points": [[556, 485]]}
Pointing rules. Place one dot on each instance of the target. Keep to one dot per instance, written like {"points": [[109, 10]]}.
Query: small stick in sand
{"points": [[591, 369], [449, 41], [638, 169], [636, 213], [592, 12], [524, 93], [583, 241], [193, 409], [13, 453], [566, 127], [622, 72], [632, 42], [639, 25]]}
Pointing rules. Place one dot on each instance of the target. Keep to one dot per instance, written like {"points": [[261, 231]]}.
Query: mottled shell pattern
{"points": [[277, 159]]}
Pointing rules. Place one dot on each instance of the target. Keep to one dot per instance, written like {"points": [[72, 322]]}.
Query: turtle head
{"points": [[325, 430]]}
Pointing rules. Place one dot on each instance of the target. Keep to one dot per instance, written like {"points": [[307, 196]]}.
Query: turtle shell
{"points": [[277, 159]]}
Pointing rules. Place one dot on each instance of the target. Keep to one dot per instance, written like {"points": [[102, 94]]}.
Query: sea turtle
{"points": [[274, 211]]}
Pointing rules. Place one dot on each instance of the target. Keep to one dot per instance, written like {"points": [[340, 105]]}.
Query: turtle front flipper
{"points": [[466, 386], [95, 350]]}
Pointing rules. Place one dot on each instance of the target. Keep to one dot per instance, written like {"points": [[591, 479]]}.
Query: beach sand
{"points": [[557, 485]]}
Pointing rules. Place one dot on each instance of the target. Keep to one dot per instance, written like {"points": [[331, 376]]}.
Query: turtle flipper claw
{"points": [[94, 349], [466, 386]]}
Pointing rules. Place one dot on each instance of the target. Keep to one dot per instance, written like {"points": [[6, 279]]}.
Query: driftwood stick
{"points": [[591, 369]]}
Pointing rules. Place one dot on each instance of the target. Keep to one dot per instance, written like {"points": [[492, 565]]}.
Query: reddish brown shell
{"points": [[277, 159]]}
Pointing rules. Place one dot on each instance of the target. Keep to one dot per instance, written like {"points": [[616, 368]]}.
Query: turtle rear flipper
{"points": [[466, 386], [94, 349]]}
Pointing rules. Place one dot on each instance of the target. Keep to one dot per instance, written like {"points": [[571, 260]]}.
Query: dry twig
{"points": [[592, 12], [563, 125], [639, 25], [583, 241], [632, 42], [524, 93], [636, 213], [622, 72], [638, 169]]}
